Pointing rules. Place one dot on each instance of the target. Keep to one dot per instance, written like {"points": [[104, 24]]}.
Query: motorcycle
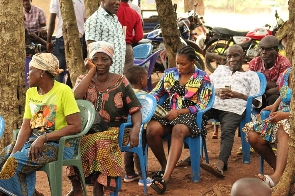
{"points": [[155, 38], [222, 38]]}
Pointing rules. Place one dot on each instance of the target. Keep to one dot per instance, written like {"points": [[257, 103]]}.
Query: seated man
{"points": [[233, 86], [35, 20], [271, 64]]}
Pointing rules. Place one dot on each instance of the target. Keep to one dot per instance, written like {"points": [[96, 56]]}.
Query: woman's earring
{"points": [[42, 76]]}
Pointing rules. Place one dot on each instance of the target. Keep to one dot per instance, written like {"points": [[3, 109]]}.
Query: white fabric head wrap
{"points": [[47, 62], [101, 46]]}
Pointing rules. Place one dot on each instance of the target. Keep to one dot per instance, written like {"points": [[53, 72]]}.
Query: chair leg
{"points": [[118, 187], [143, 170], [245, 147], [261, 166], [205, 150], [82, 178], [195, 147], [55, 181]]}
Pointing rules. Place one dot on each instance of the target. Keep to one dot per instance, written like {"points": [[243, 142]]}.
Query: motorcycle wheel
{"points": [[200, 63], [216, 48]]}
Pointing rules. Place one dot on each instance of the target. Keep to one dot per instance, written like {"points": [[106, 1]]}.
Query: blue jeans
{"points": [[59, 52]]}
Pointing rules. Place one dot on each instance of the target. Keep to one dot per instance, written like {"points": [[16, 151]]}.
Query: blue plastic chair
{"points": [[142, 51], [2, 126], [148, 103], [264, 115], [247, 118], [150, 67], [196, 144]]}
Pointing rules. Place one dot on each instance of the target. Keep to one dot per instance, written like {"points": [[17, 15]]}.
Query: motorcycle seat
{"points": [[226, 31]]}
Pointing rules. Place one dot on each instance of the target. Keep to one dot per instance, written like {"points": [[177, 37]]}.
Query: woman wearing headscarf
{"points": [[113, 99], [51, 112]]}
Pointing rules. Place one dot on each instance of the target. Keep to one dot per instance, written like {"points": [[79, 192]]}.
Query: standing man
{"points": [[103, 25], [131, 22], [271, 64], [59, 49], [35, 20]]}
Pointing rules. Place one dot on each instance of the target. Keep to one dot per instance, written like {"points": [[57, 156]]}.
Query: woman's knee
{"points": [[254, 138], [153, 129], [180, 131]]}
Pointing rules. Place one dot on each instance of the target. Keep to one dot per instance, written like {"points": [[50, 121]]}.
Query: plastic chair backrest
{"points": [[152, 61], [142, 51], [2, 126], [247, 118]]}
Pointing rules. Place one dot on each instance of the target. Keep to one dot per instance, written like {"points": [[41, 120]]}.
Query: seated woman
{"points": [[114, 99], [189, 90], [274, 129], [51, 112]]}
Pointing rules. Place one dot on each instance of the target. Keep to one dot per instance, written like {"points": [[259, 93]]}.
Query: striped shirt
{"points": [[101, 26]]}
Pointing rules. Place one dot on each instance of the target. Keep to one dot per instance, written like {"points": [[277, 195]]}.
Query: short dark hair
{"points": [[135, 73]]}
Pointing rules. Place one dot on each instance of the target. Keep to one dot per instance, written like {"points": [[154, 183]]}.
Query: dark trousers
{"points": [[59, 52], [229, 122]]}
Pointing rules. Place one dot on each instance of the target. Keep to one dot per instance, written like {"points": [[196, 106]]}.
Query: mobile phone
{"points": [[227, 87]]}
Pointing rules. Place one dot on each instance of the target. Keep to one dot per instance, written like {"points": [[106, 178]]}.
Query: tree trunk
{"points": [[12, 67], [200, 8], [73, 49], [189, 5], [91, 6], [287, 180], [170, 33]]}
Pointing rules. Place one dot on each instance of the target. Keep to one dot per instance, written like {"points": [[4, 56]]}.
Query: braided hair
{"points": [[188, 51]]}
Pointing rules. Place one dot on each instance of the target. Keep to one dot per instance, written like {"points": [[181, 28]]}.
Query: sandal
{"points": [[158, 174], [159, 185], [111, 184], [184, 162], [267, 180], [212, 169]]}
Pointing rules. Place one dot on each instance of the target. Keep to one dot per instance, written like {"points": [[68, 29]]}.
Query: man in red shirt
{"points": [[271, 64], [130, 20]]}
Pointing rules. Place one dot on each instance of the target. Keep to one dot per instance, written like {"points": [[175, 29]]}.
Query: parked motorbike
{"points": [[155, 38], [222, 38]]}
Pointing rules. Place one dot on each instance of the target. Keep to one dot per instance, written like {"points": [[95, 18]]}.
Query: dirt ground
{"points": [[180, 183]]}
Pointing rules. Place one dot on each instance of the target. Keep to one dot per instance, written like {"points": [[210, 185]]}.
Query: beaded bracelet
{"points": [[46, 138]]}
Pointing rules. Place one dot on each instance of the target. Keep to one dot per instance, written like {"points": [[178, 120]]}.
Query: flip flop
{"points": [[158, 174], [212, 169], [183, 163], [159, 185], [266, 179]]}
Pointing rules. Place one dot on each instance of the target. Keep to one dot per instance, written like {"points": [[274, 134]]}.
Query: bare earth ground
{"points": [[180, 183]]}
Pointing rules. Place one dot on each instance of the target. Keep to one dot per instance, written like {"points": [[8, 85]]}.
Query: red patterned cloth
{"points": [[272, 74]]}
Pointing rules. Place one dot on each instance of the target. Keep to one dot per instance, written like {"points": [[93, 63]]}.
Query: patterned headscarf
{"points": [[47, 62], [101, 46]]}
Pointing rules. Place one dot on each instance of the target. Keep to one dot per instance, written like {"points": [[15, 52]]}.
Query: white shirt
{"points": [[135, 7], [79, 9], [247, 83]]}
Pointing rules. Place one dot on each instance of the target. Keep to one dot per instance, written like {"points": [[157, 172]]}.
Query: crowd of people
{"points": [[111, 84]]}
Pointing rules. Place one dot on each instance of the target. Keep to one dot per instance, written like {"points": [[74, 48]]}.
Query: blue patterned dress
{"points": [[268, 130]]}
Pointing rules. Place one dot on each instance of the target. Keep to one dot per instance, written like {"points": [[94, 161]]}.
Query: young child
{"points": [[138, 78]]}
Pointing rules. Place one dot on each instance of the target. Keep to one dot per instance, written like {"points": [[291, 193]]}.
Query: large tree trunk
{"points": [[189, 5], [288, 178], [12, 67], [73, 49], [167, 19], [91, 6]]}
